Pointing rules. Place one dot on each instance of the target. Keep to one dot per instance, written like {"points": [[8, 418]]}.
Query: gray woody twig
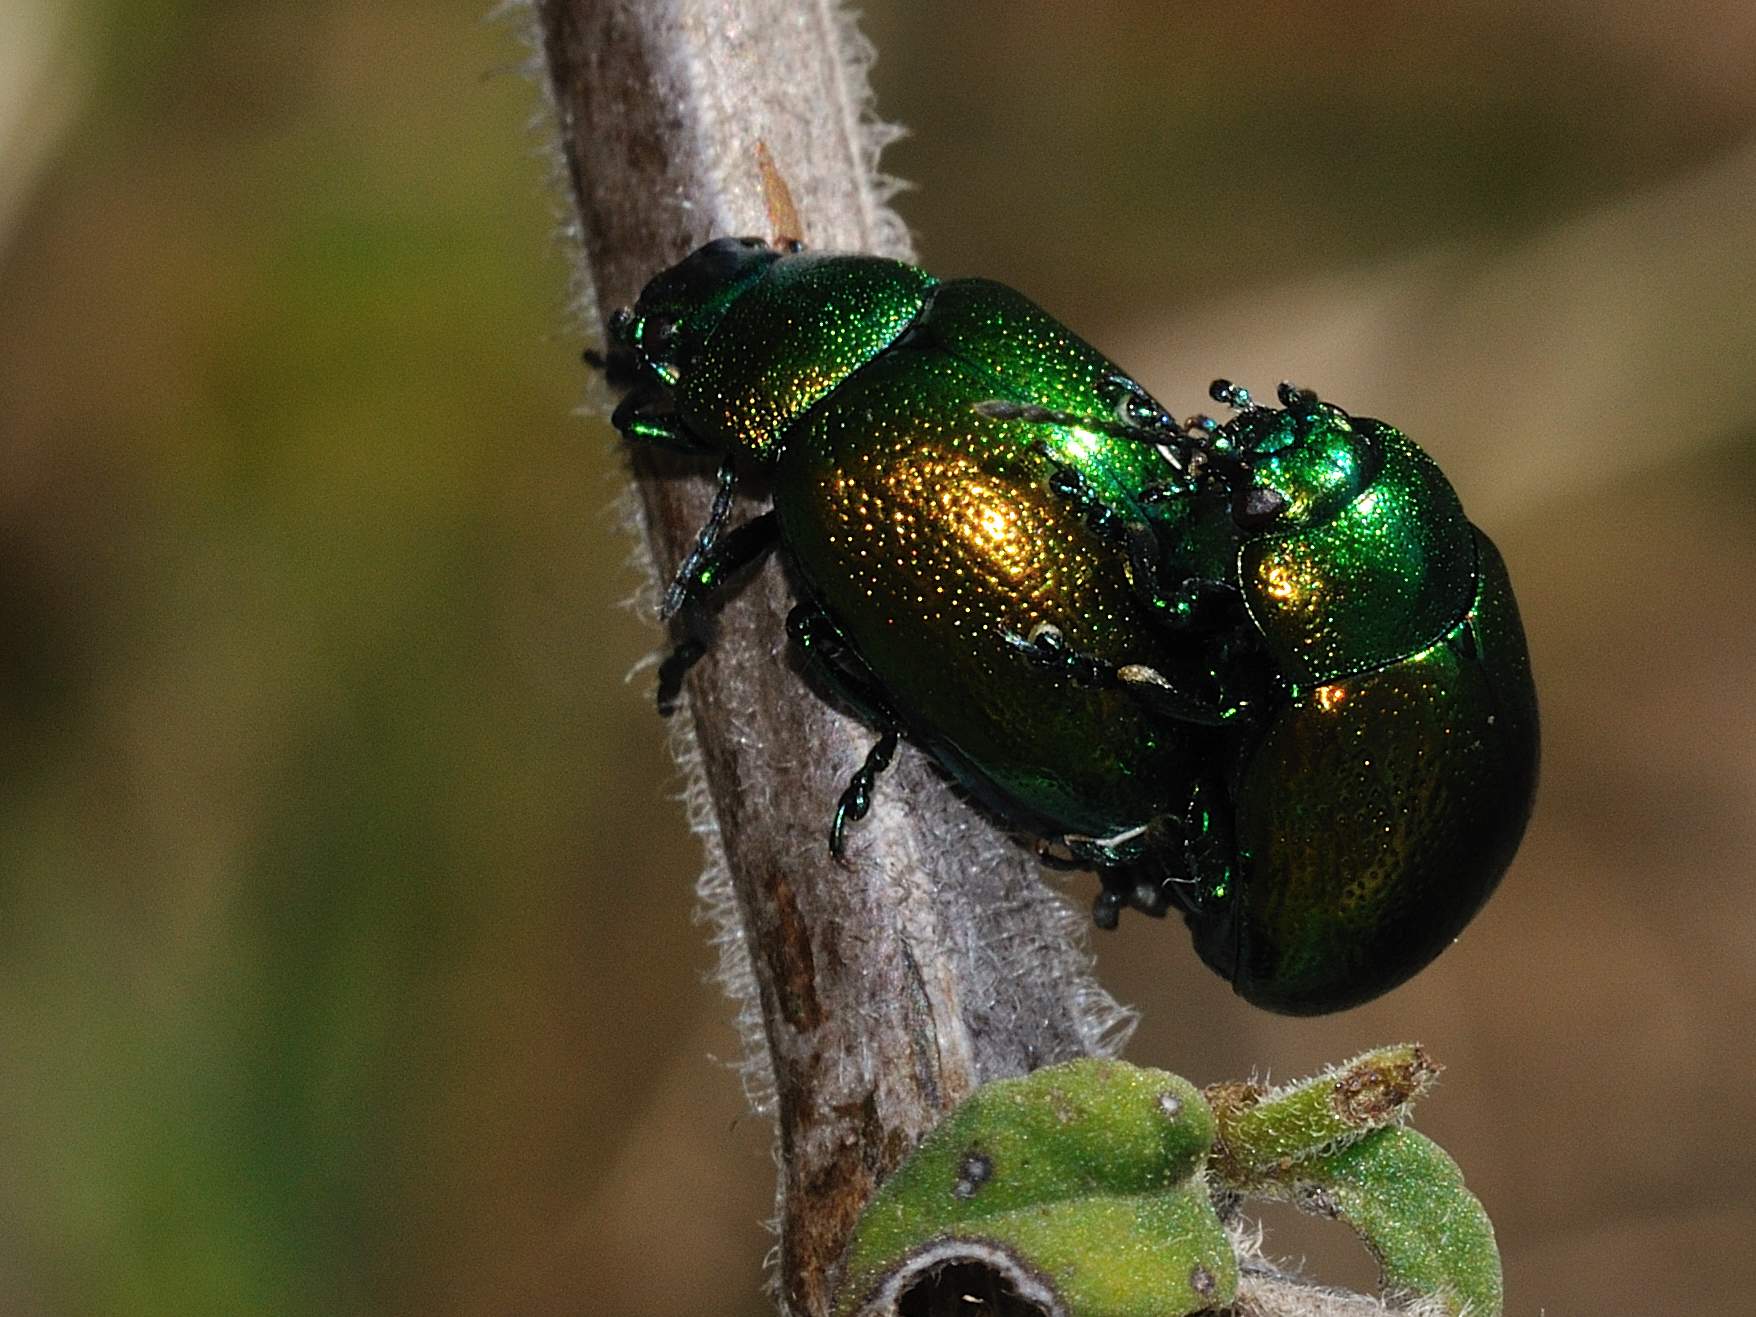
{"points": [[935, 959]]}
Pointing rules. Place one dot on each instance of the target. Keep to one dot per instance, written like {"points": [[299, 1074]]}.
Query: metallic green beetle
{"points": [[1265, 672]]}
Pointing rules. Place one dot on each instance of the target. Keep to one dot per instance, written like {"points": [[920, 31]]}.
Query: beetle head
{"points": [[1293, 466], [681, 306]]}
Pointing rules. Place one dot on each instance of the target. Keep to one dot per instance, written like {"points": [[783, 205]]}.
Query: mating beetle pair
{"points": [[1263, 672]]}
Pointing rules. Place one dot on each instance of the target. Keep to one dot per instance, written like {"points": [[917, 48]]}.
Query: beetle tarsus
{"points": [[836, 664], [856, 800], [1235, 396], [1150, 897], [1153, 689], [1047, 647], [1124, 889], [672, 671], [1106, 908]]}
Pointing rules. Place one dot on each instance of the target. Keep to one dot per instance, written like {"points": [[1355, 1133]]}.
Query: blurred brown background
{"points": [[346, 955]]}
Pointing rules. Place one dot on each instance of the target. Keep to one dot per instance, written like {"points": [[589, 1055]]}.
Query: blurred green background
{"points": [[346, 954]]}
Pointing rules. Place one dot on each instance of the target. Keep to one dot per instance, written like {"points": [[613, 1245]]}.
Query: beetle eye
{"points": [[1257, 507], [1300, 402]]}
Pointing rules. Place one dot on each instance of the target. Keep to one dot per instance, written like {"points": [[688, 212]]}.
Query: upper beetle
{"points": [[1383, 781], [1264, 672]]}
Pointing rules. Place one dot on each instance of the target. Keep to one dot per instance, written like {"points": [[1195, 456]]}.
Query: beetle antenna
{"points": [[1181, 450], [1300, 402], [1235, 396], [1004, 409]]}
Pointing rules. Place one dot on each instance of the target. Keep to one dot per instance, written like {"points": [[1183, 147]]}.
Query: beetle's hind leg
{"points": [[1183, 861], [841, 670], [856, 799], [716, 559], [1127, 889], [1121, 864]]}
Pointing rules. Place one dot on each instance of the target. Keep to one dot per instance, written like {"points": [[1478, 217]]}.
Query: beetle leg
{"points": [[1128, 888], [1209, 849], [1187, 862], [683, 656], [700, 578], [1106, 907], [1050, 858], [691, 578], [1104, 853], [840, 668], [1069, 483], [1046, 647], [634, 419], [856, 800], [1153, 689], [1193, 603], [1126, 881], [1183, 605]]}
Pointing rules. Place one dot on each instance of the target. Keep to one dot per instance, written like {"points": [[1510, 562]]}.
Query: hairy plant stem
{"points": [[933, 959]]}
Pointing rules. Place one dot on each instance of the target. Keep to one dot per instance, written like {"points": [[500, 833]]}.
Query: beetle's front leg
{"points": [[716, 560], [691, 580], [635, 418]]}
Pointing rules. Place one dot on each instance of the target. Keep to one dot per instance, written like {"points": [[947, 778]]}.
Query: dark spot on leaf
{"points": [[976, 1169]]}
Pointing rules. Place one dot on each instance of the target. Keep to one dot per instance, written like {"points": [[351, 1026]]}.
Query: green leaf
{"points": [[1079, 1187], [1406, 1199]]}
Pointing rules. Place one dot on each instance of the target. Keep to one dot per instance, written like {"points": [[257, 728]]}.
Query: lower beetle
{"points": [[1262, 672]]}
